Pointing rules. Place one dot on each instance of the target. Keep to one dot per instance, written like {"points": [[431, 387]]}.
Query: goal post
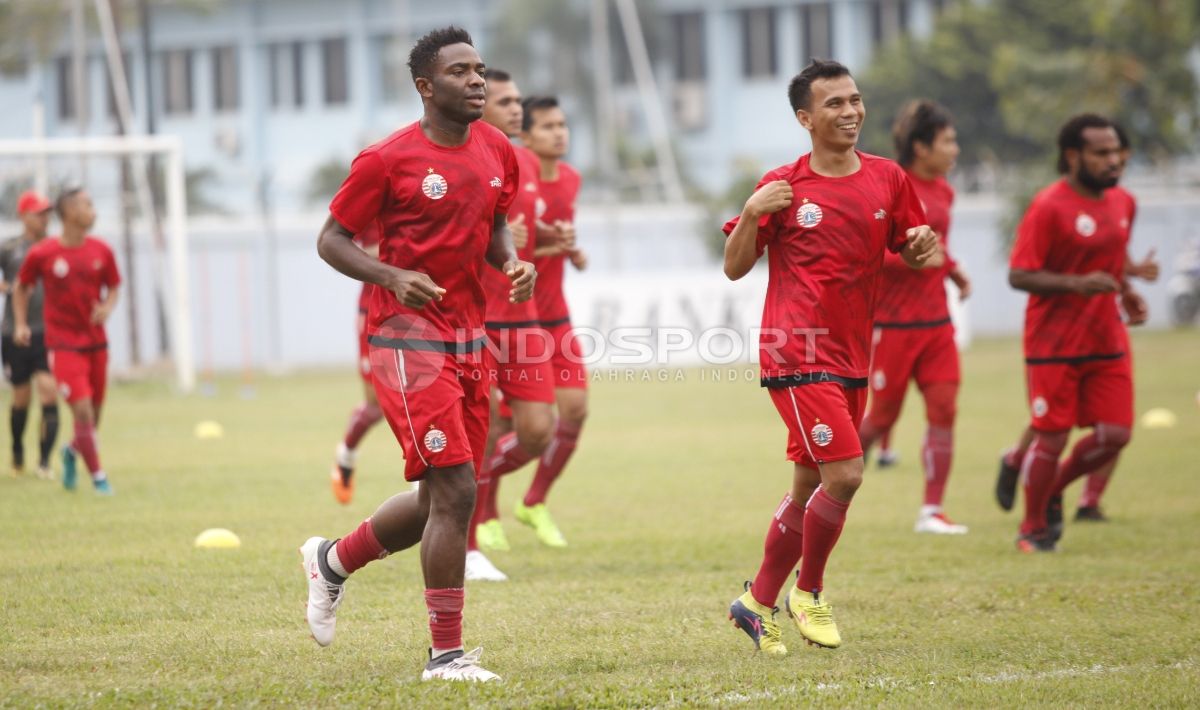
{"points": [[175, 289]]}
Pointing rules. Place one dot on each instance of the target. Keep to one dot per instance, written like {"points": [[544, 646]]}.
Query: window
{"points": [[394, 79], [226, 95], [816, 32], [333, 66], [687, 33], [110, 87], [889, 20], [64, 69], [758, 42], [177, 81], [286, 65]]}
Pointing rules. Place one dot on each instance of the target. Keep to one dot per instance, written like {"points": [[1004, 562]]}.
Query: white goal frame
{"points": [[177, 293]]}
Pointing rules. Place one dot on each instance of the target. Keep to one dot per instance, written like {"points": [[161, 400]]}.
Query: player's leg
{"points": [[532, 511], [47, 394], [76, 377], [1010, 470], [1089, 500], [887, 456], [892, 364], [18, 417], [532, 431], [362, 418], [937, 374], [488, 485]]}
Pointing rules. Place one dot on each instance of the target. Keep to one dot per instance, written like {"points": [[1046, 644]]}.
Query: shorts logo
{"points": [[61, 268], [809, 215], [1085, 225], [879, 380], [496, 182], [1040, 407], [434, 186], [435, 440], [822, 435]]}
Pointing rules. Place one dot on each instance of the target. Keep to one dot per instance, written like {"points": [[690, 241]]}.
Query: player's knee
{"points": [[941, 404], [1052, 442], [843, 478], [536, 436], [451, 491], [576, 411], [1113, 436]]}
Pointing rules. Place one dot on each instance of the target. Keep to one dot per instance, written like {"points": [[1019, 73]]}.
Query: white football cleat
{"points": [[938, 524], [323, 596], [480, 568], [457, 665]]}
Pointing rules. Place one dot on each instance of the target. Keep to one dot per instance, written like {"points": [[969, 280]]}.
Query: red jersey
{"points": [[825, 261], [73, 281], [434, 207], [500, 313], [1067, 233], [914, 298], [559, 196]]}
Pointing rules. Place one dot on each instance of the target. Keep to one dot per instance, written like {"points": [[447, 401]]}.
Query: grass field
{"points": [[105, 602]]}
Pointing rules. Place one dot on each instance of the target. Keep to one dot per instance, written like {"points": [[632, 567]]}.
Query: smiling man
{"points": [[438, 191]]}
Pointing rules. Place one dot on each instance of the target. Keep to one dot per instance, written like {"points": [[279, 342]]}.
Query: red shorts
{"points": [[822, 420], [927, 355], [521, 367], [1065, 395], [436, 405], [364, 349], [566, 356], [81, 374]]}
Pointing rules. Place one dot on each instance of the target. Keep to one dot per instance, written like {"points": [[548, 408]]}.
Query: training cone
{"points": [[209, 430], [218, 538], [1158, 418]]}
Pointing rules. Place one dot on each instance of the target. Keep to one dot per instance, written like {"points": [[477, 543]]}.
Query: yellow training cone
{"points": [[1158, 418], [209, 430], [218, 538]]}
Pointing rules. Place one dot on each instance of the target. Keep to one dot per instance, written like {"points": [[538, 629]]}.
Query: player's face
{"points": [[36, 223], [457, 88], [940, 156], [503, 107], [80, 211], [1099, 164], [836, 113], [548, 135]]}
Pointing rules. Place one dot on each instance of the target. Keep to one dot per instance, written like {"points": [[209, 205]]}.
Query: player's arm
{"points": [[1045, 283], [741, 248], [502, 255], [1146, 269], [20, 298], [920, 247], [102, 310], [959, 277], [336, 246]]}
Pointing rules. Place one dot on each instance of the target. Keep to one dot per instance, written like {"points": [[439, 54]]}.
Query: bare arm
{"points": [[502, 255], [101, 311], [336, 246], [921, 247], [741, 248], [1049, 282], [20, 296]]}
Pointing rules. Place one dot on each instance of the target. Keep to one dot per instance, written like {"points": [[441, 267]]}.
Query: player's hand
{"points": [[523, 276], [578, 259], [100, 313], [1136, 311], [962, 283], [769, 199], [566, 233], [922, 244], [1096, 282], [22, 335], [1146, 269], [520, 233], [414, 289]]}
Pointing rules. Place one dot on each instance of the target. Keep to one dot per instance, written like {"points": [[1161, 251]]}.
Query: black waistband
{"points": [[84, 349], [913, 324], [553, 323], [1074, 360], [430, 346], [809, 378], [510, 324]]}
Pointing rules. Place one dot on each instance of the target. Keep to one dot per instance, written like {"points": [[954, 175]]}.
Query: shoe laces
{"points": [[770, 629], [335, 592], [466, 664], [819, 614]]}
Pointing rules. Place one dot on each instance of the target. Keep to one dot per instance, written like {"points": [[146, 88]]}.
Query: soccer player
{"points": [[522, 374], [914, 338], [439, 191], [825, 222], [1070, 256], [80, 284], [367, 414], [23, 365], [544, 131]]}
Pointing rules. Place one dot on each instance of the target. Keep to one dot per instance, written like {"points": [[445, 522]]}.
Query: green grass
{"points": [[105, 602]]}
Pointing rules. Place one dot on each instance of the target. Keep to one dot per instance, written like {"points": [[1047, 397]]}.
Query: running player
{"points": [[1070, 256], [439, 191], [914, 338], [825, 222], [25, 364], [80, 282]]}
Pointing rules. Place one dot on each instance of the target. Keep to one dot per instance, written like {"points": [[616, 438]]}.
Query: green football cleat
{"points": [[538, 518], [813, 617], [758, 622], [490, 536]]}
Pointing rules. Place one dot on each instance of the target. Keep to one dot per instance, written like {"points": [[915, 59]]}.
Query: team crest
{"points": [[809, 215], [1040, 407], [531, 186], [434, 186], [822, 435], [61, 268], [879, 380], [435, 440], [1085, 225], [539, 208]]}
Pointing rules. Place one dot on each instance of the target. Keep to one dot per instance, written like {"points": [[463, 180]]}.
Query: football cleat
{"points": [[68, 459], [758, 622], [938, 524], [324, 596], [480, 568], [538, 518], [490, 535], [1006, 484], [103, 487], [813, 617], [1054, 518], [1090, 514], [887, 458], [341, 477], [456, 665], [45, 473], [1036, 541]]}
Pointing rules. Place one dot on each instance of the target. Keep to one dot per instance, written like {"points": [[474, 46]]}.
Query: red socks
{"points": [[824, 517], [1091, 453], [780, 553], [361, 421], [445, 617], [936, 453], [359, 547], [1097, 481], [1039, 471], [553, 460], [507, 457], [84, 444]]}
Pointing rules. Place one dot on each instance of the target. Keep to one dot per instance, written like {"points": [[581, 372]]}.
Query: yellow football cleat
{"points": [[758, 622], [538, 518], [490, 536], [813, 617]]}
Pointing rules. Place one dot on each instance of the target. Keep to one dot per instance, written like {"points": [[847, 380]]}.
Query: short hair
{"points": [[535, 103], [1070, 136], [919, 121], [64, 197], [800, 89], [496, 75], [425, 52]]}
